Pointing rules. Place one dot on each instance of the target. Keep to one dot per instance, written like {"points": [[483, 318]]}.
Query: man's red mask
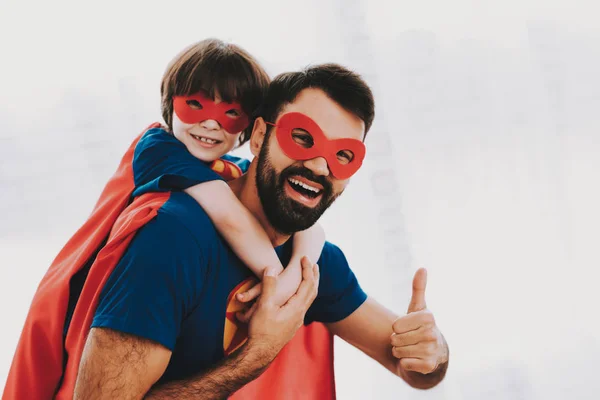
{"points": [[302, 139], [197, 108]]}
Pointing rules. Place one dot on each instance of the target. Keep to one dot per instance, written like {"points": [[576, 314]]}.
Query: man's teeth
{"points": [[205, 140], [304, 185]]}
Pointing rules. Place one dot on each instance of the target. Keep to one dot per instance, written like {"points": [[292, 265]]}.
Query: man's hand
{"points": [[417, 342], [287, 283], [272, 326]]}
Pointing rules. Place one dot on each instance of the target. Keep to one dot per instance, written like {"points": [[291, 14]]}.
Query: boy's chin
{"points": [[206, 155]]}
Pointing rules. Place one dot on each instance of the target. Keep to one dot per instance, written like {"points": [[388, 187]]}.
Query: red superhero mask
{"points": [[302, 139], [197, 108]]}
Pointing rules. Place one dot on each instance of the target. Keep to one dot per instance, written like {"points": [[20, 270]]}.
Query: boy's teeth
{"points": [[205, 140], [304, 185]]}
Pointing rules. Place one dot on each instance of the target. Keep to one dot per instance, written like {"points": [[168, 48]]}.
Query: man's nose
{"points": [[318, 166], [210, 125]]}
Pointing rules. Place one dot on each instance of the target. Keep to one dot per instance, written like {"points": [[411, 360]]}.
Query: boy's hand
{"points": [[248, 297], [250, 294], [285, 290]]}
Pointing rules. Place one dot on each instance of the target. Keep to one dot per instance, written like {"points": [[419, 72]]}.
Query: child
{"points": [[210, 111]]}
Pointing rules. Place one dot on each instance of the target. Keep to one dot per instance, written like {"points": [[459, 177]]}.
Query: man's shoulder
{"points": [[332, 263], [181, 209], [339, 291], [332, 255]]}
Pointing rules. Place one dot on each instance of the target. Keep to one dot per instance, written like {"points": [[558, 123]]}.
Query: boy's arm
{"points": [[308, 243], [161, 163], [238, 226]]}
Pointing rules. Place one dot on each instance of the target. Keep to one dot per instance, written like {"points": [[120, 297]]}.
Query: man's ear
{"points": [[258, 136]]}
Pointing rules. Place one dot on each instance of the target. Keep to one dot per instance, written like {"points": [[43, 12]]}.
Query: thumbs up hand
{"points": [[417, 342]]}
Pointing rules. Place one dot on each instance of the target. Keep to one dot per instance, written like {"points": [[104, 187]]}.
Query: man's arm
{"points": [[118, 365], [411, 346], [123, 366], [221, 381]]}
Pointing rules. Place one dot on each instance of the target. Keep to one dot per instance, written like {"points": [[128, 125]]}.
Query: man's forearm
{"points": [[219, 382]]}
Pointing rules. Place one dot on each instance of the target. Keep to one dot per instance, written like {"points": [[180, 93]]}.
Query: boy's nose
{"points": [[210, 124]]}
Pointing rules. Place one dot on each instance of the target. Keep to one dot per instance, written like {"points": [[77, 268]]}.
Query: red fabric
{"points": [[37, 365], [140, 211], [303, 369], [38, 361], [318, 145], [210, 110]]}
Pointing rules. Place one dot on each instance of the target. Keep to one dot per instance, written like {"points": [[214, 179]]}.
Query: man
{"points": [[158, 330]]}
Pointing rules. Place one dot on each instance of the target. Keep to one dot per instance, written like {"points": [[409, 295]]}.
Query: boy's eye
{"points": [[233, 113], [303, 138], [345, 156], [194, 104]]}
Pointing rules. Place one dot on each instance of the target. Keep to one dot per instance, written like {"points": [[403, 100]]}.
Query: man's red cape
{"points": [[303, 369]]}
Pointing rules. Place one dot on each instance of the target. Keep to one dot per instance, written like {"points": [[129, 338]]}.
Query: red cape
{"points": [[303, 369]]}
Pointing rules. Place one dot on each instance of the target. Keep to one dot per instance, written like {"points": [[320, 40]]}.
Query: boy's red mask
{"points": [[344, 156], [210, 110]]}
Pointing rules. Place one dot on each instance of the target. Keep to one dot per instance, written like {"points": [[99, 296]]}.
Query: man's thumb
{"points": [[417, 301], [269, 283]]}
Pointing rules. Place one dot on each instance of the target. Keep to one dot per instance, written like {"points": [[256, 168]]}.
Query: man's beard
{"points": [[288, 216]]}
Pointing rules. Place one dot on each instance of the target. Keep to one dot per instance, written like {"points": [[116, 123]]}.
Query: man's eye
{"points": [[303, 139], [194, 104], [233, 113], [345, 156]]}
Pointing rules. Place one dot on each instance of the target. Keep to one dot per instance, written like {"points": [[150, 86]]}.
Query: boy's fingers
{"points": [[245, 315], [250, 294]]}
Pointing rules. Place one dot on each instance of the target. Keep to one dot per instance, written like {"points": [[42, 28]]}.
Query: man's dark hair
{"points": [[343, 86]]}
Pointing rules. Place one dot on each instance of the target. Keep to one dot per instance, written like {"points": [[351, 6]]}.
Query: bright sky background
{"points": [[482, 164]]}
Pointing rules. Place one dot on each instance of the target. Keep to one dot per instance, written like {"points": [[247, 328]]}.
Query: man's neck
{"points": [[245, 189]]}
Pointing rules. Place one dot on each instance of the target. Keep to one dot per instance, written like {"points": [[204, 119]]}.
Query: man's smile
{"points": [[303, 191]]}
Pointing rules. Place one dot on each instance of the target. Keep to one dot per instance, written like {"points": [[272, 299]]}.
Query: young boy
{"points": [[209, 112]]}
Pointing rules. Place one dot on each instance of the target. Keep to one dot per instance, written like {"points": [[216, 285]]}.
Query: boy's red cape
{"points": [[303, 369]]}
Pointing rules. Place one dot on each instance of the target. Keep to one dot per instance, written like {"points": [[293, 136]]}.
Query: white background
{"points": [[483, 164]]}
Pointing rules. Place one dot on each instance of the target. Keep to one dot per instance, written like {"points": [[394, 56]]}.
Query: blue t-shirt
{"points": [[174, 281]]}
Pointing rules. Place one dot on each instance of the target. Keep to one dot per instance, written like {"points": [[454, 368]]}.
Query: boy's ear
{"points": [[258, 136]]}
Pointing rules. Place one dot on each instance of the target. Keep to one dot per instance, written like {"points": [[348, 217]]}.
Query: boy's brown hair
{"points": [[214, 66]]}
